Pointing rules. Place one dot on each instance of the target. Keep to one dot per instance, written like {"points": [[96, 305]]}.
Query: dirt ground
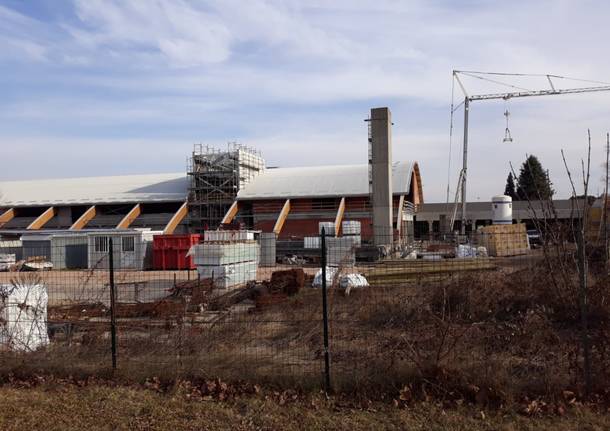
{"points": [[69, 286], [101, 407]]}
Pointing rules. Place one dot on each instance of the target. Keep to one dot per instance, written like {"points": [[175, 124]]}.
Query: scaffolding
{"points": [[215, 178]]}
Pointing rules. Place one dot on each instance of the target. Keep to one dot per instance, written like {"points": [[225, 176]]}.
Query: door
{"points": [[76, 256], [128, 252]]}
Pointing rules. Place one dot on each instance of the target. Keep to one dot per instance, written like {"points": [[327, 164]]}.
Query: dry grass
{"points": [[100, 407], [506, 332]]}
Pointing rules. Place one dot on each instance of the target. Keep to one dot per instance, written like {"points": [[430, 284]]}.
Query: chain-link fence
{"points": [[493, 309]]}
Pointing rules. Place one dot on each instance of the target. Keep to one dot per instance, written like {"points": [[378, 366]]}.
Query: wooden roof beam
{"points": [[281, 219], [7, 216], [231, 213], [84, 219], [176, 219], [401, 204], [130, 217], [339, 217], [42, 219]]}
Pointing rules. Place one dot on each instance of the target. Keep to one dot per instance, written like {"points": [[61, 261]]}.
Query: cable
{"points": [[450, 138], [581, 80], [497, 82], [458, 106], [540, 75]]}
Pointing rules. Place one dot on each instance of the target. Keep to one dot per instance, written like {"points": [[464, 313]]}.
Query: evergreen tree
{"points": [[534, 182], [510, 189]]}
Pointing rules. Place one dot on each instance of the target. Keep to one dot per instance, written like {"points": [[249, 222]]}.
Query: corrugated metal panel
{"points": [[95, 190], [321, 181]]}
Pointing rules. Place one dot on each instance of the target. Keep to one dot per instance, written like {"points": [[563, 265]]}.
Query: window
{"points": [[100, 244], [128, 243]]}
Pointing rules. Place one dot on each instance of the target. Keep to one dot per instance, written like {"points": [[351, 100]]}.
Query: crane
{"points": [[518, 92]]}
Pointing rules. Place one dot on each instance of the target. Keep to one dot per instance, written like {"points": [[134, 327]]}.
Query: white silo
{"points": [[502, 209]]}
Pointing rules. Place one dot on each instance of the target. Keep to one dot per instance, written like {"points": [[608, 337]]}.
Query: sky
{"points": [[109, 87]]}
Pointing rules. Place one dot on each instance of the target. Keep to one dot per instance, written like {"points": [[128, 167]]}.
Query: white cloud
{"points": [[184, 34]]}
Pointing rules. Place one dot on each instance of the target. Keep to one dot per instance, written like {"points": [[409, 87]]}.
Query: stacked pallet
{"points": [[504, 240], [352, 229], [228, 263], [392, 272]]}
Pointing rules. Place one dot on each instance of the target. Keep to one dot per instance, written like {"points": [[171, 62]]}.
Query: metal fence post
{"points": [[325, 312], [112, 303]]}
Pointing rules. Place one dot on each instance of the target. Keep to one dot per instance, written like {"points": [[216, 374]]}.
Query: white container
{"points": [[502, 209], [311, 242], [329, 228], [350, 227], [228, 235]]}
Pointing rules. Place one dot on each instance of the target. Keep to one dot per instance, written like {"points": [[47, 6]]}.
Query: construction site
{"points": [[308, 276]]}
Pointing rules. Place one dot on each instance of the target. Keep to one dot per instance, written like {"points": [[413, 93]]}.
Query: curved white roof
{"points": [[95, 190], [322, 181]]}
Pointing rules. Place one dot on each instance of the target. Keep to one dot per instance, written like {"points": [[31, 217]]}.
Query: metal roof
{"points": [[95, 190], [565, 208], [322, 181]]}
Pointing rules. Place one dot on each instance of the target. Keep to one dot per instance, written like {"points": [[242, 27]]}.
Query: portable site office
{"points": [[128, 250], [82, 250]]}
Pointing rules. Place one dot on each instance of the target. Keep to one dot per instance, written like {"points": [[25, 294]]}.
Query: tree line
{"points": [[533, 182]]}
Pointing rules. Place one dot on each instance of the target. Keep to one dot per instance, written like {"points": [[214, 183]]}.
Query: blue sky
{"points": [[96, 87]]}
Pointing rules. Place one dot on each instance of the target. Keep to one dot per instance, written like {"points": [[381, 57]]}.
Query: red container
{"points": [[169, 251]]}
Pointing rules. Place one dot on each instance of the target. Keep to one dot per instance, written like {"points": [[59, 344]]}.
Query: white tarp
{"points": [[23, 316], [330, 274], [470, 251], [344, 281], [353, 280], [465, 251]]}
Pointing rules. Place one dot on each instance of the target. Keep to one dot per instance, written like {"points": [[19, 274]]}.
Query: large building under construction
{"points": [[231, 186]]}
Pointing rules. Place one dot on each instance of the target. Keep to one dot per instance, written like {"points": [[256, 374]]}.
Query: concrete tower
{"points": [[381, 174]]}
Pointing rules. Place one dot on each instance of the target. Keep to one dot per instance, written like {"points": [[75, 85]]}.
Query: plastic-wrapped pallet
{"points": [[228, 235], [231, 275], [217, 253], [230, 264], [329, 228], [350, 227], [23, 316], [341, 251], [356, 240], [311, 242]]}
